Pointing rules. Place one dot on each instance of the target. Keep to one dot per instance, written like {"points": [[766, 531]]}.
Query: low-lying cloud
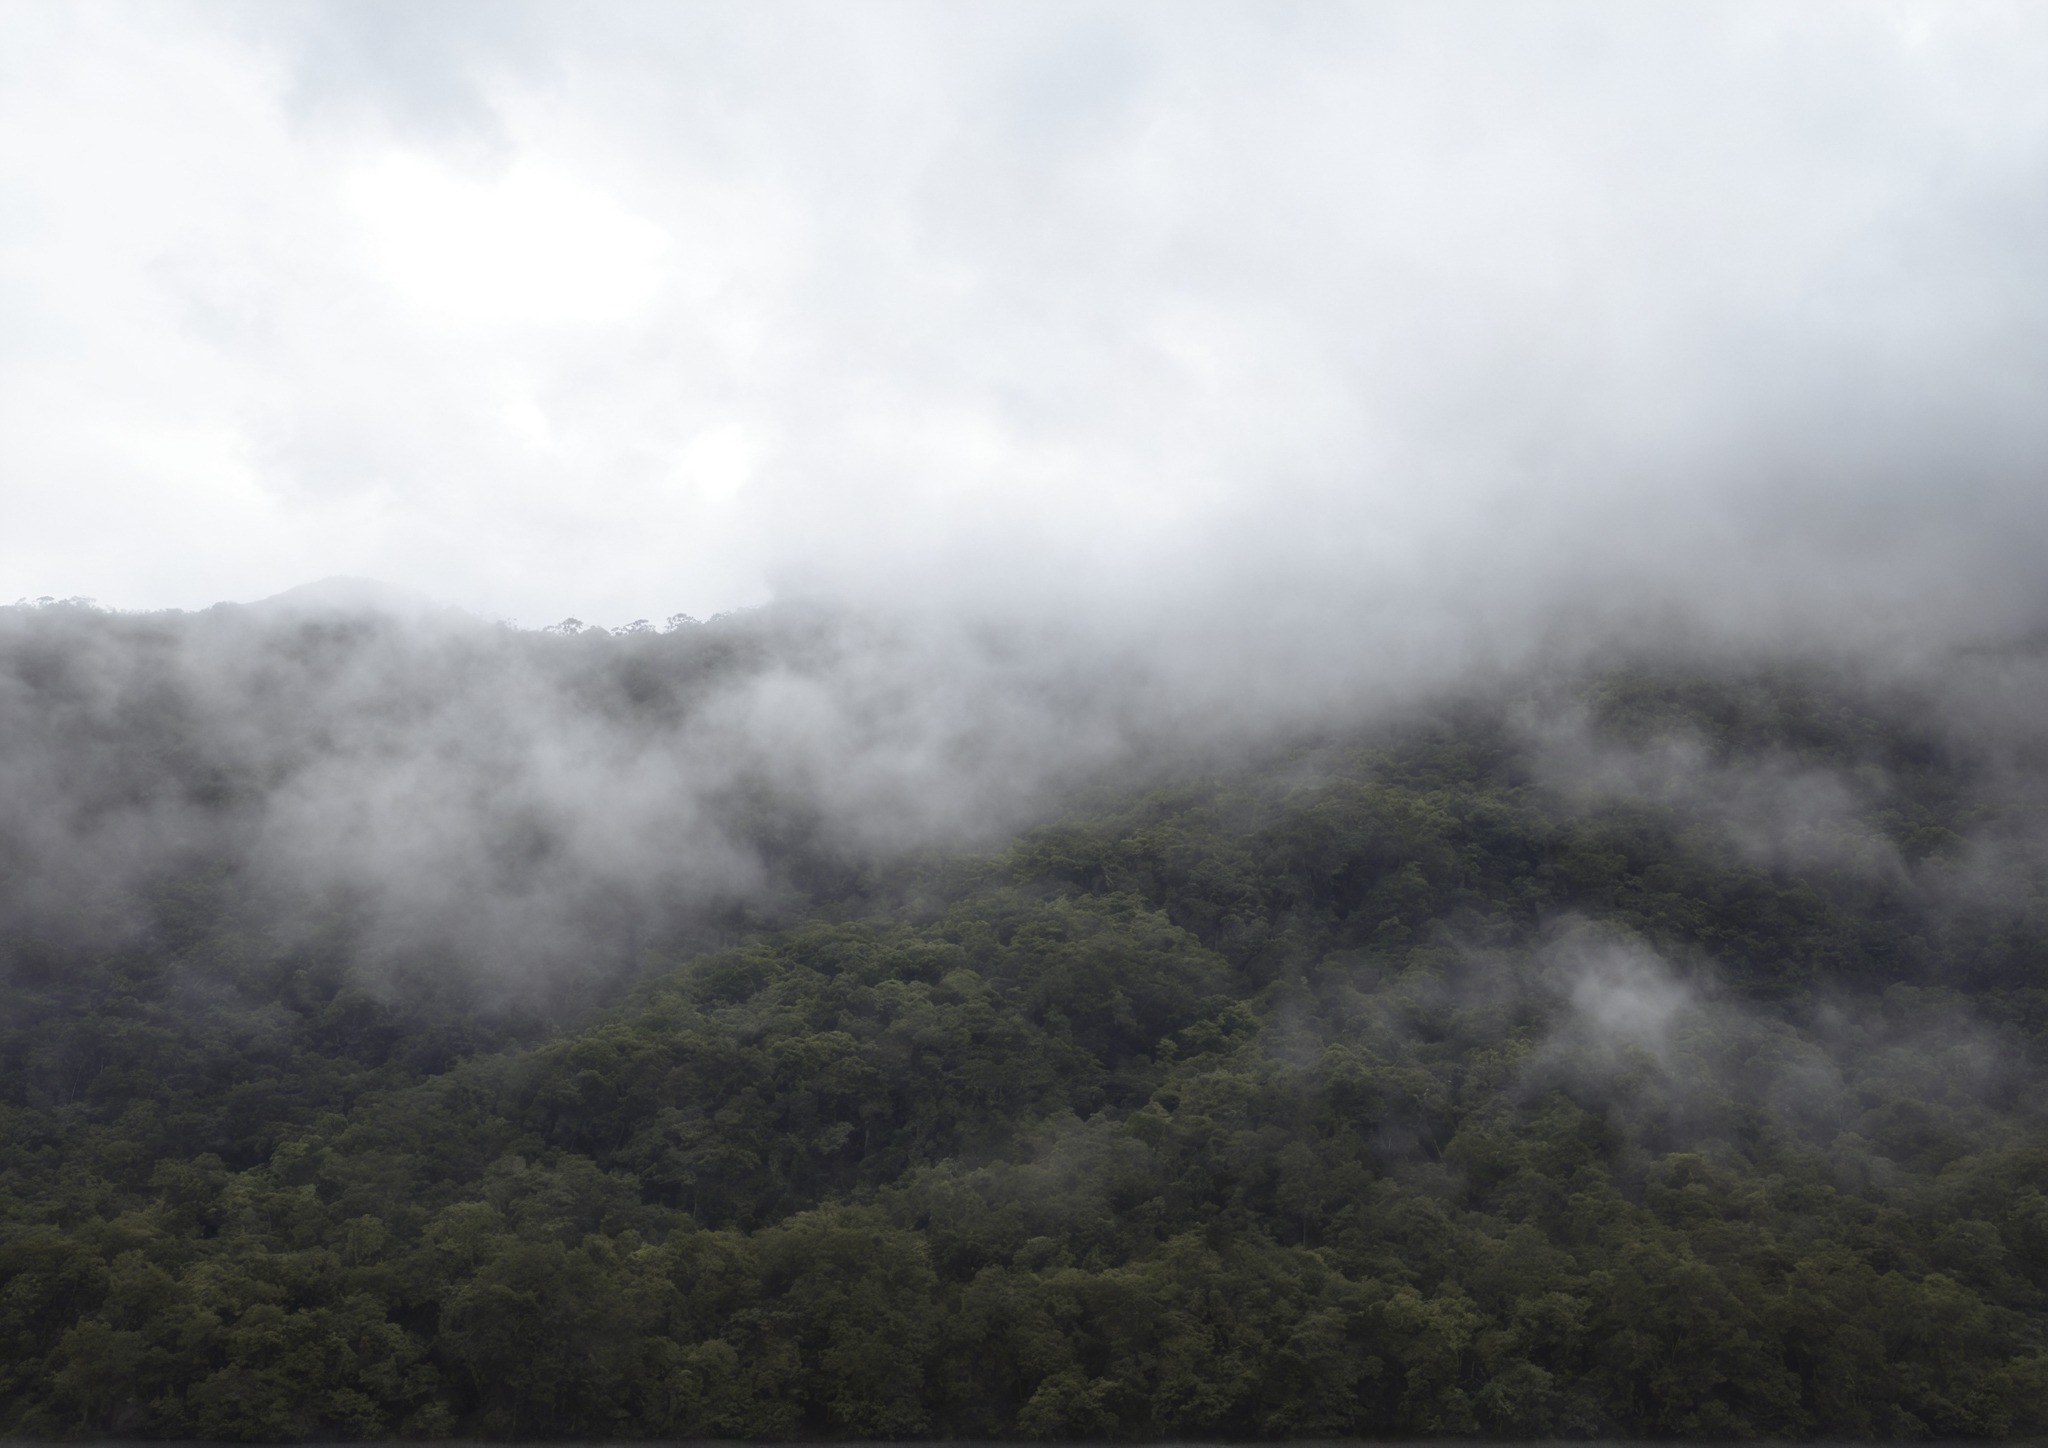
{"points": [[531, 804]]}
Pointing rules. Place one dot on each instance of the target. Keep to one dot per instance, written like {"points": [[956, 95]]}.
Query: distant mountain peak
{"points": [[342, 594]]}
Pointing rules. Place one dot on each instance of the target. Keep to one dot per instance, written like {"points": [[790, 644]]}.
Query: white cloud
{"points": [[720, 461], [1395, 323], [530, 246]]}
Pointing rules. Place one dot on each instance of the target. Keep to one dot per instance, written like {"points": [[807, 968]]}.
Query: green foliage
{"points": [[1389, 1088]]}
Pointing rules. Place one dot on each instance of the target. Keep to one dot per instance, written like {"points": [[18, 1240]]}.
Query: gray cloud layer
{"points": [[1395, 335]]}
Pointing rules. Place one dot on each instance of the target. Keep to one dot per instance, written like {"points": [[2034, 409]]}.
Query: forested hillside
{"points": [[1646, 1051]]}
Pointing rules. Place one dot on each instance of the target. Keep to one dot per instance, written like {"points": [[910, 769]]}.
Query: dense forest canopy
{"points": [[784, 1026]]}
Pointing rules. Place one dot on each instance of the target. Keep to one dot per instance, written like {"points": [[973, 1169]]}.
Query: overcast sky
{"points": [[1283, 312]]}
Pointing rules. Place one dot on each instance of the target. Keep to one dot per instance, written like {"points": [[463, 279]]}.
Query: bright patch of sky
{"points": [[526, 248]]}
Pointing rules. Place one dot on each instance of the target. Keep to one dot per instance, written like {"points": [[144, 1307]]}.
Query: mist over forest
{"points": [[808, 1022], [1363, 752]]}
